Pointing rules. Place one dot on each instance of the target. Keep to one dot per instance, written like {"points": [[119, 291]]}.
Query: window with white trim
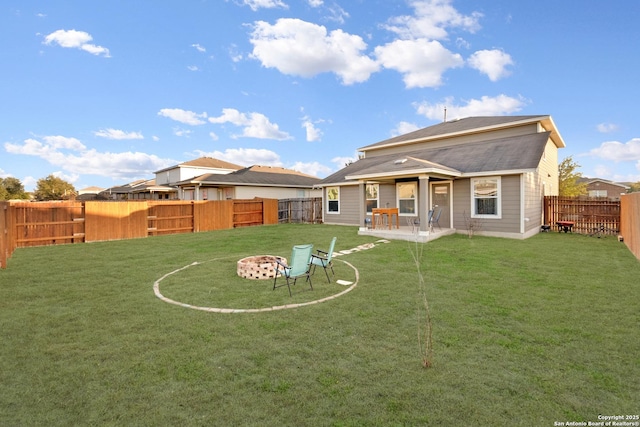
{"points": [[333, 199], [407, 194], [372, 192], [485, 197]]}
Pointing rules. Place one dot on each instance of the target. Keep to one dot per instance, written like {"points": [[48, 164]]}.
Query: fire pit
{"points": [[259, 266]]}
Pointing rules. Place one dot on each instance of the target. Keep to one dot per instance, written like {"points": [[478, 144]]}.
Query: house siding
{"points": [[349, 206], [456, 140], [510, 205]]}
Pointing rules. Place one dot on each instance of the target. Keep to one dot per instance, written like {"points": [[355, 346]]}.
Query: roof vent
{"points": [[400, 161]]}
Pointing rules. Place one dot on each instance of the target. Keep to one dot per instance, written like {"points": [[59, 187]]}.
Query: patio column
{"points": [[423, 199], [363, 203]]}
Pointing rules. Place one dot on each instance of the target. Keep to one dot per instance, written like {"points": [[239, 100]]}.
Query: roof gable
{"points": [[204, 162]]}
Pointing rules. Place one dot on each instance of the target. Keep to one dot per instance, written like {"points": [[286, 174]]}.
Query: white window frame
{"points": [[498, 197], [331, 200], [415, 198], [377, 198]]}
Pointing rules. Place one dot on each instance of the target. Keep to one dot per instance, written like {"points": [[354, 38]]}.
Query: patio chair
{"points": [[323, 259], [430, 219], [299, 266], [436, 220]]}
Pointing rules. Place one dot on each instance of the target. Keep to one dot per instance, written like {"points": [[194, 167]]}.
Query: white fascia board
{"points": [[497, 173], [405, 173]]}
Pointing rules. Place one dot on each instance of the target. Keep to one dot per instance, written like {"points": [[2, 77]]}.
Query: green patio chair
{"points": [[299, 265], [323, 259]]}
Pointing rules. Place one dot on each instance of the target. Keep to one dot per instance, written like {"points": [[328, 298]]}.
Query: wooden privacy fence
{"points": [[590, 215], [305, 210], [48, 223], [630, 222]]}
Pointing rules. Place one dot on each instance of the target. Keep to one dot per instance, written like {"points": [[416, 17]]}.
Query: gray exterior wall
{"points": [[510, 202], [349, 207]]}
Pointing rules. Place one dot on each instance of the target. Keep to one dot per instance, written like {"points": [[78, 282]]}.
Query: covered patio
{"points": [[408, 233]]}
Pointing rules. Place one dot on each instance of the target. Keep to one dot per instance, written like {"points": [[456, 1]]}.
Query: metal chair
{"points": [[299, 265], [323, 259], [436, 220]]}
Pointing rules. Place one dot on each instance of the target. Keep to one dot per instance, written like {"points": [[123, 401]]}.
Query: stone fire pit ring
{"points": [[259, 267]]}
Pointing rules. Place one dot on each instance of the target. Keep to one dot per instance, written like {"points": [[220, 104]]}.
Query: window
{"points": [[485, 197], [372, 196], [407, 198], [333, 199]]}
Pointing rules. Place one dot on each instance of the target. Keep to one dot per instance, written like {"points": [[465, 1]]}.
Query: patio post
{"points": [[363, 203], [423, 202]]}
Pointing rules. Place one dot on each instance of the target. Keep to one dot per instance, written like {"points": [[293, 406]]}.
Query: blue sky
{"points": [[102, 93]]}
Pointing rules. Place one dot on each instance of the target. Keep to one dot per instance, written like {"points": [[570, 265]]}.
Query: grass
{"points": [[525, 333]]}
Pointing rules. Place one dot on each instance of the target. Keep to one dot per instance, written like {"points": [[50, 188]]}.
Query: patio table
{"points": [[389, 212]]}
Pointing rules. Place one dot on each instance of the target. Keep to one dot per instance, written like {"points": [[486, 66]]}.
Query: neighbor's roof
{"points": [[469, 125], [511, 154], [141, 185], [269, 176], [205, 162], [604, 181]]}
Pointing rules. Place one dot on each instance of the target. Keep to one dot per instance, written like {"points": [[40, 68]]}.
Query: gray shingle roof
{"points": [[259, 175], [503, 154], [469, 124]]}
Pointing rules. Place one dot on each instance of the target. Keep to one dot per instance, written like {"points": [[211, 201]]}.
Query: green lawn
{"points": [[526, 333]]}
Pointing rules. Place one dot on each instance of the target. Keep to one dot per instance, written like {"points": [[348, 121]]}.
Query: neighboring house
{"points": [[254, 181], [164, 186], [143, 189], [597, 187], [493, 171], [183, 171], [89, 193]]}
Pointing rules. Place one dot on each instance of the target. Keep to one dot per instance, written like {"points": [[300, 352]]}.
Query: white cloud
{"points": [[213, 136], [118, 134], [313, 133], [607, 127], [300, 48], [618, 151], [246, 156], [75, 159], [493, 63], [183, 116], [77, 40], [485, 106], [198, 47], [155, 138], [404, 128], [342, 161], [431, 20], [193, 68], [312, 168], [255, 125], [422, 62], [315, 3], [264, 4], [182, 132]]}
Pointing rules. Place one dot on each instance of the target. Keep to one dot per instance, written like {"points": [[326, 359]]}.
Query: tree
{"points": [[12, 188], [568, 179], [634, 187], [54, 188]]}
